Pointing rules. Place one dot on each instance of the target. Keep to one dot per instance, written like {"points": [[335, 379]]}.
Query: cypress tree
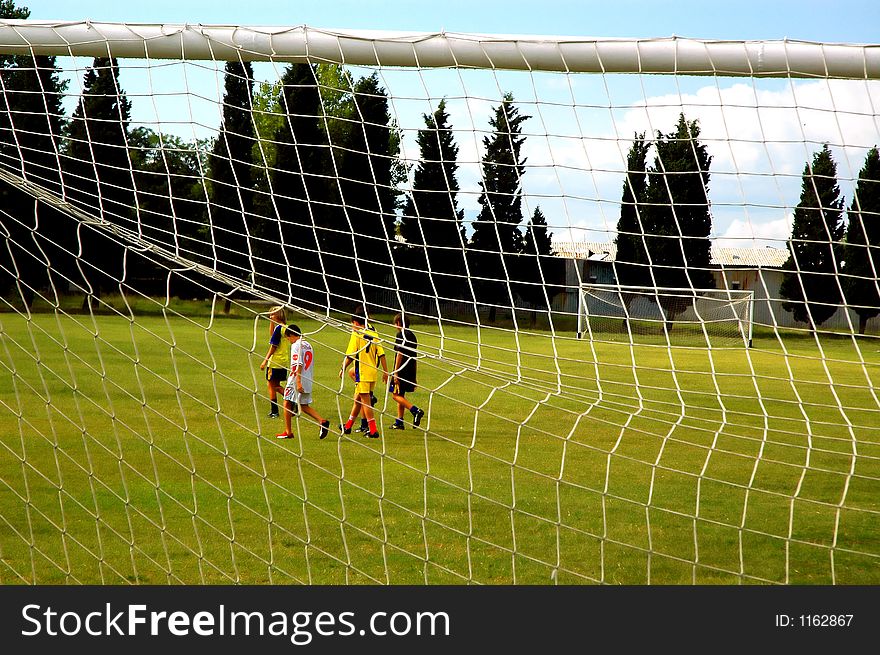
{"points": [[31, 124], [231, 177], [810, 283], [431, 224], [97, 172], [631, 261], [301, 187], [677, 219], [368, 194], [497, 238], [862, 253], [539, 268]]}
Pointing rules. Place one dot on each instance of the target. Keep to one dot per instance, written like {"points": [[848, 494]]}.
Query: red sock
{"points": [[372, 424], [349, 423]]}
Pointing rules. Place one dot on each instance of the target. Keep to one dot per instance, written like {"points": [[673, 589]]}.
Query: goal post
{"points": [[706, 317], [166, 188]]}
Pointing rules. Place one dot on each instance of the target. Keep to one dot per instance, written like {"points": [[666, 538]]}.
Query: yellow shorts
{"points": [[364, 387]]}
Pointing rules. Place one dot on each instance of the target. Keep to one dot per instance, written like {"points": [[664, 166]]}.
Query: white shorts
{"points": [[294, 396]]}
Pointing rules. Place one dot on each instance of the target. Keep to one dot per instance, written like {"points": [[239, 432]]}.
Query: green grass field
{"points": [[140, 452]]}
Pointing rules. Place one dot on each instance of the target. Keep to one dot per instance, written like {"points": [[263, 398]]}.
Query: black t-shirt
{"points": [[406, 344]]}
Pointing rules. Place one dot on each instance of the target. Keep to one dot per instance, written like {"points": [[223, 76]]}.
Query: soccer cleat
{"points": [[364, 429], [273, 415], [283, 435], [325, 428], [396, 426], [344, 429], [373, 435], [417, 417]]}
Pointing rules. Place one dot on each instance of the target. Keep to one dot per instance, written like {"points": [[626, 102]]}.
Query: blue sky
{"points": [[580, 125], [821, 20]]}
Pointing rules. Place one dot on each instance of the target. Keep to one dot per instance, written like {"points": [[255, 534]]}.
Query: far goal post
{"points": [[710, 317]]}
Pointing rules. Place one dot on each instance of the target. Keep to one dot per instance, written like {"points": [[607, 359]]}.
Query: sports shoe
{"points": [[396, 426], [284, 435], [325, 428], [364, 428], [344, 429], [272, 415], [373, 435], [417, 417]]}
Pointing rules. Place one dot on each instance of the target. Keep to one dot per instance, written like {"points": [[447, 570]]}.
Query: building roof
{"points": [[767, 257]]}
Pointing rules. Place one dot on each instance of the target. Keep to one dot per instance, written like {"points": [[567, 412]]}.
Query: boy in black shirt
{"points": [[403, 378]]}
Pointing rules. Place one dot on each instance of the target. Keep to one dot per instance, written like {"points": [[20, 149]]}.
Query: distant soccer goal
{"points": [[694, 317]]}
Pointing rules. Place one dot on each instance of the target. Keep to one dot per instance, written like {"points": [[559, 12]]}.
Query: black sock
{"points": [[414, 410], [365, 423], [273, 406]]}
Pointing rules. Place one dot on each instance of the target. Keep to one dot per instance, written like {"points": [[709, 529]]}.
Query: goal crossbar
{"points": [[672, 55]]}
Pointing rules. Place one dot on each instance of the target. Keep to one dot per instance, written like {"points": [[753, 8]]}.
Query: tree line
{"points": [[300, 194]]}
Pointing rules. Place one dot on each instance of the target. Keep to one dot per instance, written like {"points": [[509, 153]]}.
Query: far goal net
{"points": [[687, 317]]}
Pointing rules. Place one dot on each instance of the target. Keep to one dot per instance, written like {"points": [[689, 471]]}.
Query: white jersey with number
{"points": [[301, 354]]}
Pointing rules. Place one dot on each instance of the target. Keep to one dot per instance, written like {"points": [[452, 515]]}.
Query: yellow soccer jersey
{"points": [[365, 348], [281, 357]]}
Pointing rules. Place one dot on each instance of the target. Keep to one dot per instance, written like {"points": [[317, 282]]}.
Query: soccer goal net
{"points": [[699, 317], [171, 194]]}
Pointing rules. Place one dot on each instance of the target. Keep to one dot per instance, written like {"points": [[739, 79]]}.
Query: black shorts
{"points": [[276, 374], [402, 388]]}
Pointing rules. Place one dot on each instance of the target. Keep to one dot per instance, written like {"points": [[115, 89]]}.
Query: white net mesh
{"points": [[164, 186]]}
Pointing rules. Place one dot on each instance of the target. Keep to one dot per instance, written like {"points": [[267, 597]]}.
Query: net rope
{"points": [[135, 446]]}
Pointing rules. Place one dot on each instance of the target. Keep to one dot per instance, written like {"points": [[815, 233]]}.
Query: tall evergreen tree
{"points": [[301, 190], [366, 184], [862, 253], [631, 262], [539, 269], [497, 238], [96, 164], [432, 222], [31, 123], [231, 173], [810, 283], [97, 171], [677, 219]]}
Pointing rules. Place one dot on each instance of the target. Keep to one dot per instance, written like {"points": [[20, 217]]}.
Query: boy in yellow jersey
{"points": [[366, 353], [277, 360]]}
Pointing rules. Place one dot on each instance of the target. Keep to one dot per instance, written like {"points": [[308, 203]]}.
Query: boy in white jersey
{"points": [[300, 381]]}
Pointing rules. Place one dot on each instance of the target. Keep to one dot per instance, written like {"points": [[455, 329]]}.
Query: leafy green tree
{"points": [[231, 173], [810, 283], [862, 252], [497, 238], [171, 199], [677, 219], [432, 222], [631, 261], [267, 119]]}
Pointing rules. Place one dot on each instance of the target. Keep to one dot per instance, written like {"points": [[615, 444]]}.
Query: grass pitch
{"points": [[138, 451]]}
